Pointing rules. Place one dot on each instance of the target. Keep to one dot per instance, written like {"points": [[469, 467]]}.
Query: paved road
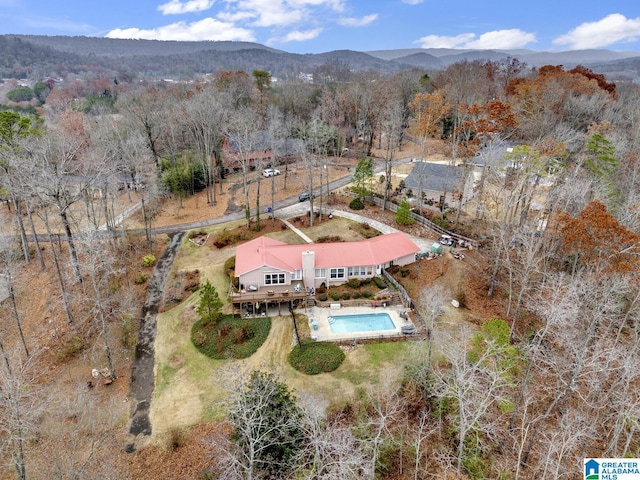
{"points": [[278, 206], [239, 215]]}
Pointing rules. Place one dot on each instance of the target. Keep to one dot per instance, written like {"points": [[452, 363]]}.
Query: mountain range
{"points": [[44, 56]]}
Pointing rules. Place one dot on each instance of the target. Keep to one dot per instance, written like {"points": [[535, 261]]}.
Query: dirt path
{"points": [[142, 371]]}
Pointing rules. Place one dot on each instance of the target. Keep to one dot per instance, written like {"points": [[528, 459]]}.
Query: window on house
{"points": [[321, 273], [296, 275], [274, 278], [359, 271], [336, 273]]}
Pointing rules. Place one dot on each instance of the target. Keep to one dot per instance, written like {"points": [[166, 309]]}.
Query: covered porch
{"points": [[266, 299]]}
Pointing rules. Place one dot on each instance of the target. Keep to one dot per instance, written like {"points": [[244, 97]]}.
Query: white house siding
{"points": [[406, 260], [256, 277]]}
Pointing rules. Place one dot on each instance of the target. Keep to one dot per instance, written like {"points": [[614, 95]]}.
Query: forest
{"points": [[555, 212]]}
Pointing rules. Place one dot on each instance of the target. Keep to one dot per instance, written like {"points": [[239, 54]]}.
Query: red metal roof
{"points": [[264, 251]]}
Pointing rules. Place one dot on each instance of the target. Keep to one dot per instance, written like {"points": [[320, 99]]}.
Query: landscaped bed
{"points": [[353, 289], [230, 336], [316, 357]]}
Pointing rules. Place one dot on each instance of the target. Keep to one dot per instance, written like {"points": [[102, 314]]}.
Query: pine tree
{"points": [[402, 214], [210, 303]]}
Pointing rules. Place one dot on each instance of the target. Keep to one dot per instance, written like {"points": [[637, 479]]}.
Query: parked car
{"points": [[446, 240], [303, 197], [270, 172]]}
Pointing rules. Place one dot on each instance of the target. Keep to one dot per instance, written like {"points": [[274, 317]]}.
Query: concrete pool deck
{"points": [[323, 332]]}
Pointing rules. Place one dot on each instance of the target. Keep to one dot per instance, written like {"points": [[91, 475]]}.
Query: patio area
{"points": [[321, 329]]}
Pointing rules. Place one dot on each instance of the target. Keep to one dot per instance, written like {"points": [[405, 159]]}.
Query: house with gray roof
{"points": [[436, 178]]}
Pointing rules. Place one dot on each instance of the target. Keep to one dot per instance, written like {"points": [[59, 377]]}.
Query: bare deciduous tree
{"points": [[267, 430], [21, 404], [476, 382], [99, 266]]}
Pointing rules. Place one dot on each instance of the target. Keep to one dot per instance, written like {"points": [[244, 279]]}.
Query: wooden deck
{"points": [[277, 293]]}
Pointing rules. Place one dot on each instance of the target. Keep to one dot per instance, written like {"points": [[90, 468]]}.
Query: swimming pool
{"points": [[365, 322]]}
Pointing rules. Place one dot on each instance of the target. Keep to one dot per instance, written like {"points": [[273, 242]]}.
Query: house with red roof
{"points": [[268, 265]]}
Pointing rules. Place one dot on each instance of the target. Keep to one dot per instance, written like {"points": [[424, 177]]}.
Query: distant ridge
{"points": [[37, 56], [421, 60], [533, 58], [115, 47]]}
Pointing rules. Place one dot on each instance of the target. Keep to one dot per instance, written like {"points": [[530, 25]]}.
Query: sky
{"points": [[316, 26]]}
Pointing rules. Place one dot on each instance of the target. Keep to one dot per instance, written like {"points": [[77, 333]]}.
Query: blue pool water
{"points": [[366, 322]]}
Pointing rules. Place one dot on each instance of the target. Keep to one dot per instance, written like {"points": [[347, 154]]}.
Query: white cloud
{"points": [[299, 36], [335, 5], [176, 7], [206, 29], [497, 39], [502, 39], [264, 13], [439, 41], [611, 29], [358, 22], [412, 2], [242, 19], [277, 13]]}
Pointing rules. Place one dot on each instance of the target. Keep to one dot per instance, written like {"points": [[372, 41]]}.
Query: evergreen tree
{"points": [[363, 177], [210, 303], [402, 214]]}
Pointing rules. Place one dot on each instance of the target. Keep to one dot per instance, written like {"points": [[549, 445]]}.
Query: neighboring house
{"points": [[259, 150], [433, 179], [494, 157], [265, 263]]}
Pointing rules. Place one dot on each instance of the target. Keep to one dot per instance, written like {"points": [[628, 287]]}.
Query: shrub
{"points": [[356, 204], [196, 233], [241, 340], [140, 279], [322, 297], [441, 222], [224, 330], [230, 271], [330, 239], [70, 348], [148, 260], [356, 295], [176, 438], [380, 283], [321, 289], [335, 296], [403, 214], [230, 266], [228, 237], [404, 272], [128, 334], [346, 295], [243, 334], [354, 282], [367, 294], [313, 358]]}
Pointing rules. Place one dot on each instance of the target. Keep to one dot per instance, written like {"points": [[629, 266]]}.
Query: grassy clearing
{"points": [[368, 364], [347, 230]]}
